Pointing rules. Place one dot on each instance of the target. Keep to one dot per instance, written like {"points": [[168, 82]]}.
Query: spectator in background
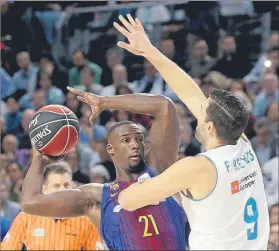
{"points": [[257, 72], [272, 115], [87, 80], [99, 174], [99, 145], [167, 47], [39, 100], [73, 158], [273, 39], [268, 95], [154, 14], [202, 62], [15, 174], [80, 61], [231, 64], [249, 130], [151, 82], [9, 209], [274, 230], [53, 94], [73, 103], [23, 138], [25, 78], [14, 115], [264, 143], [59, 78], [119, 76], [4, 226], [5, 82], [42, 233], [207, 86], [113, 57], [268, 60], [3, 128], [10, 144], [188, 144], [270, 176]]}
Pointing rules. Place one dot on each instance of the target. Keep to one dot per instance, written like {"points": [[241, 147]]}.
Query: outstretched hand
{"points": [[139, 43], [91, 99]]}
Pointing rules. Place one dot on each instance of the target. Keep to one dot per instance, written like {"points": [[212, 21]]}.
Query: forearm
{"points": [[137, 103], [180, 82], [32, 183]]}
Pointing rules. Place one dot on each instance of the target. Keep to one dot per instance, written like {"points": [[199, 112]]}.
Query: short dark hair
{"points": [[88, 69], [118, 124], [273, 49], [261, 123], [79, 50], [228, 114], [13, 162], [60, 167]]}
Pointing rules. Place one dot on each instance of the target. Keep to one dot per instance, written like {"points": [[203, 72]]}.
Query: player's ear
{"points": [[110, 149], [210, 127], [44, 189]]}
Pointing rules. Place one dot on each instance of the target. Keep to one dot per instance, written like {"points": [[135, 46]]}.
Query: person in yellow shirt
{"points": [[41, 233]]}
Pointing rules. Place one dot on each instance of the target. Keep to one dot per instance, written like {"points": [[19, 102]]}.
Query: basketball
{"points": [[54, 130]]}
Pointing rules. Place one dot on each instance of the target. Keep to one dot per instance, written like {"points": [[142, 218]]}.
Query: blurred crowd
{"points": [[31, 79]]}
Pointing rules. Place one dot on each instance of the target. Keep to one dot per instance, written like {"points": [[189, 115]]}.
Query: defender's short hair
{"points": [[228, 114]]}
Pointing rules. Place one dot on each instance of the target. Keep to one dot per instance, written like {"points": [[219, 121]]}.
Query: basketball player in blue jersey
{"points": [[222, 189], [155, 227]]}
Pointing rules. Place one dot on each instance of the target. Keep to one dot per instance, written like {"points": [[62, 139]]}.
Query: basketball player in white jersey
{"points": [[221, 189]]}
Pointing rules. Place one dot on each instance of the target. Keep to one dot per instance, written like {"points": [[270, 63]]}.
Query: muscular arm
{"points": [[180, 82], [61, 204], [164, 133], [184, 174]]}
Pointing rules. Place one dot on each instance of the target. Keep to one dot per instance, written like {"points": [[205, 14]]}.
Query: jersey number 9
{"points": [[251, 217]]}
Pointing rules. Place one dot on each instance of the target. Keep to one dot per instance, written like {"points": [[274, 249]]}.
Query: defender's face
{"points": [[128, 147]]}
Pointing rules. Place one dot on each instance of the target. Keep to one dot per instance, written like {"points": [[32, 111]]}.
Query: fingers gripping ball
{"points": [[54, 130]]}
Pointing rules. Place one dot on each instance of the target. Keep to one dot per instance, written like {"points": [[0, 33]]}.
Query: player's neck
{"points": [[126, 176], [212, 144]]}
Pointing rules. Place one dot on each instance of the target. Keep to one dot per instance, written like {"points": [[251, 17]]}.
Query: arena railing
{"points": [[66, 43]]}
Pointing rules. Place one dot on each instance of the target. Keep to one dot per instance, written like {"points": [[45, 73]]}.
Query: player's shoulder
{"points": [[91, 187]]}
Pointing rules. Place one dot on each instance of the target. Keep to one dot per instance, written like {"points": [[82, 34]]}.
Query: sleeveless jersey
{"points": [[235, 215], [160, 227]]}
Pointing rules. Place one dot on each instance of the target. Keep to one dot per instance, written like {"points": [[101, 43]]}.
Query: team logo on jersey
{"points": [[143, 177], [244, 183], [235, 187], [114, 187], [117, 209]]}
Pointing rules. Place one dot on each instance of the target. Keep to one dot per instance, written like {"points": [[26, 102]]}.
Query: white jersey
{"points": [[235, 215]]}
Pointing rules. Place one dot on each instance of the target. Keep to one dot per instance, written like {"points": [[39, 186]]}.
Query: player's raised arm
{"points": [[164, 134], [181, 83], [61, 204]]}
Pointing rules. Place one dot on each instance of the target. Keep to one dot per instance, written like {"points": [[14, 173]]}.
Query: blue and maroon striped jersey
{"points": [[160, 227]]}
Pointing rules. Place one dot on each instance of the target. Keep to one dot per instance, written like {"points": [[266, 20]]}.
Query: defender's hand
{"points": [[91, 99], [134, 32]]}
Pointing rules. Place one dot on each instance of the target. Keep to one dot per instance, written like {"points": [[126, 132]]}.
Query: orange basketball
{"points": [[54, 130]]}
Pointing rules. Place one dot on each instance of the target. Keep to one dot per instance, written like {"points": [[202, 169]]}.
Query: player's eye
{"points": [[124, 140]]}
